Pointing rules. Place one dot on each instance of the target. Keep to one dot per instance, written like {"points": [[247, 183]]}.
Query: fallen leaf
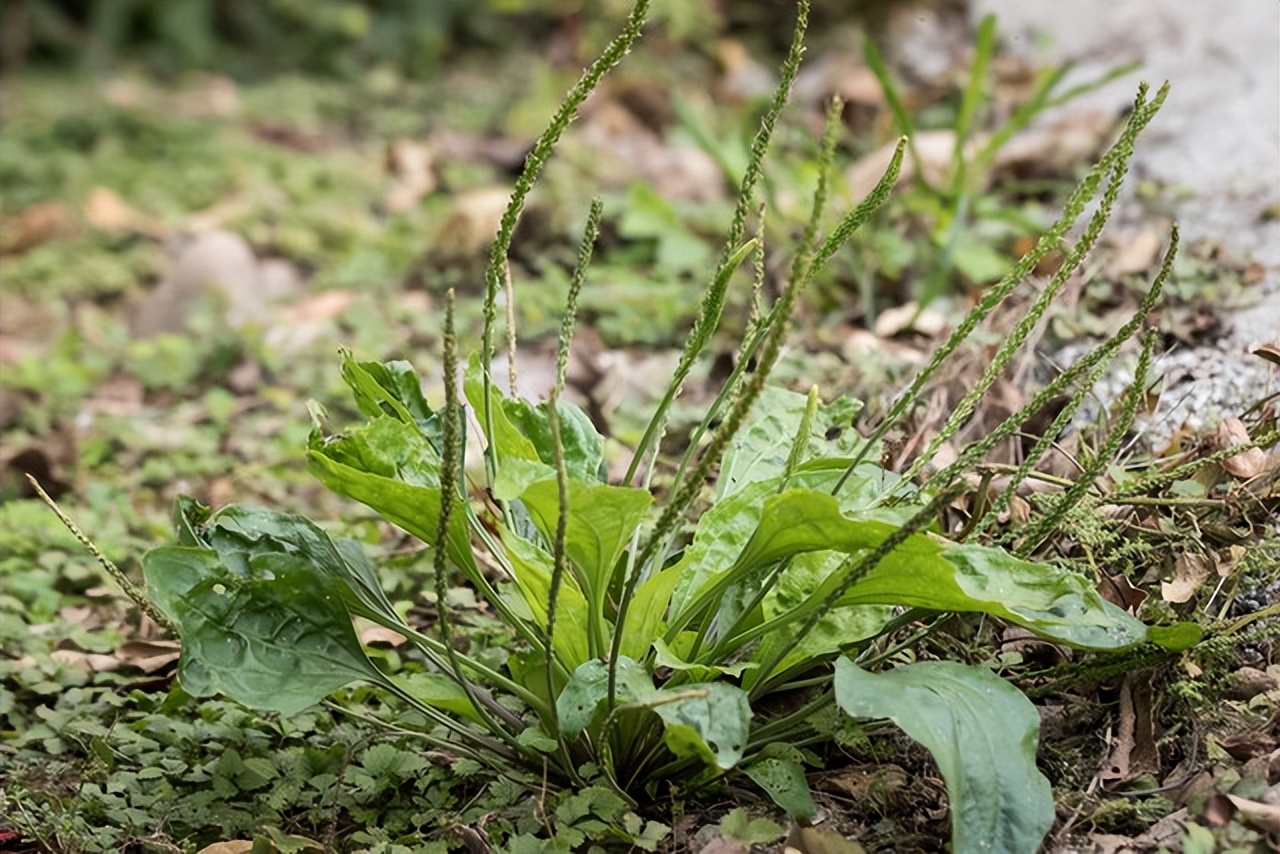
{"points": [[239, 846], [723, 845], [472, 222], [929, 156], [85, 661], [1135, 751], [1189, 574], [412, 164], [1248, 682], [1246, 464], [106, 210], [34, 225], [742, 76], [1258, 815], [1270, 352], [811, 840], [375, 634], [1119, 591], [148, 656], [909, 317], [1054, 147], [1134, 254]]}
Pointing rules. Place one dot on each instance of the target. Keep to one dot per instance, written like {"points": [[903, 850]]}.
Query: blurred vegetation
{"points": [[339, 38]]}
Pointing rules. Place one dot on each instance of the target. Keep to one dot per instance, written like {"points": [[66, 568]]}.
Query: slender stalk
{"points": [[137, 596], [1142, 114], [450, 475], [1037, 531], [731, 256], [533, 164]]}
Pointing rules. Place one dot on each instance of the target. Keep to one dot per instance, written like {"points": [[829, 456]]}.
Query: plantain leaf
{"points": [[710, 720], [983, 734], [588, 688], [755, 453], [272, 633], [389, 466], [783, 780], [924, 572]]}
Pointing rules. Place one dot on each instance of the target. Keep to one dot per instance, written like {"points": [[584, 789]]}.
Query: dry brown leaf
{"points": [[472, 222], [1270, 352], [742, 76], [148, 656], [86, 661], [1135, 751], [934, 148], [811, 840], [1246, 464], [34, 225], [1262, 817], [1135, 254], [1245, 683], [238, 846], [1054, 148], [1119, 591], [909, 316], [723, 845], [1190, 571], [374, 634], [106, 210]]}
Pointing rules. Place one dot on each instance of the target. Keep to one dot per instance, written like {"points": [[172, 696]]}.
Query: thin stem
{"points": [[533, 165], [450, 475]]}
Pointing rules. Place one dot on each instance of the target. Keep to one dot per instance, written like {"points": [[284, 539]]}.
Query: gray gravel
{"points": [[1217, 138]]}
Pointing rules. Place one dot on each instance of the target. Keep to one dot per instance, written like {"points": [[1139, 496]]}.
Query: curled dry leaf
{"points": [[1258, 815], [1270, 352], [1135, 751], [1189, 574], [1246, 464], [1120, 591]]}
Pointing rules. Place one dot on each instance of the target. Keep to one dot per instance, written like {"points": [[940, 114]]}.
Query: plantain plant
{"points": [[642, 659]]}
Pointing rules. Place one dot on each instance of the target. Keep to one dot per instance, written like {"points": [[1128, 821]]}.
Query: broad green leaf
{"points": [[709, 720], [729, 524], [391, 388], [647, 614], [1176, 637], [602, 519], [532, 568], [583, 446], [440, 692], [784, 781], [757, 453], [509, 442], [272, 634], [665, 656], [588, 688], [926, 573], [983, 734], [804, 587], [358, 469], [237, 532]]}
